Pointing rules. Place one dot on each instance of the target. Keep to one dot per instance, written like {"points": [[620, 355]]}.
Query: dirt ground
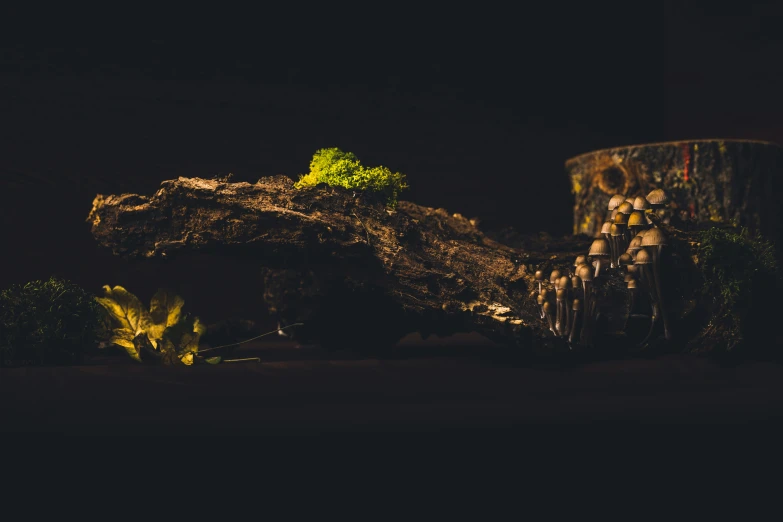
{"points": [[441, 385]]}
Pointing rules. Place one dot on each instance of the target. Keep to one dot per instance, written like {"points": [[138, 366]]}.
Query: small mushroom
{"points": [[621, 220], [606, 230], [658, 198], [615, 201], [548, 313], [618, 243], [554, 277], [641, 204], [561, 319], [575, 307], [625, 208], [636, 222], [655, 240], [540, 301], [600, 252], [539, 279], [624, 260], [644, 262], [585, 274]]}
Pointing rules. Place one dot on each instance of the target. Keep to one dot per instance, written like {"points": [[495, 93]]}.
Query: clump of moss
{"points": [[740, 274], [47, 323], [343, 169]]}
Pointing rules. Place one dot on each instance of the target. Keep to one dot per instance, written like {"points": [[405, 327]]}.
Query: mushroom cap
{"points": [[575, 282], [625, 208], [636, 219], [635, 244], [615, 201], [632, 284], [641, 203], [627, 278], [654, 237], [554, 276], [580, 260], [615, 231], [630, 200], [606, 226], [585, 273], [643, 257], [658, 197], [625, 259], [643, 233], [539, 275], [621, 219], [564, 282], [632, 269], [540, 300], [614, 213], [600, 247], [547, 307], [561, 293], [576, 305], [544, 293]]}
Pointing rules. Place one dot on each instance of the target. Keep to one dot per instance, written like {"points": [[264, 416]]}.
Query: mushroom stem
{"points": [[598, 266], [653, 320], [548, 312], [656, 254], [573, 326]]}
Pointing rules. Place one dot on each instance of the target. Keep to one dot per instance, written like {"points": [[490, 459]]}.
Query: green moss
{"points": [[740, 274], [343, 169]]}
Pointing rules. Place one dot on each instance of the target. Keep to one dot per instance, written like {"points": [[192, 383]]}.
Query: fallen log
{"points": [[358, 274]]}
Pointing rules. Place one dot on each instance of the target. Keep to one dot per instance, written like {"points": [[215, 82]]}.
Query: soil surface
{"points": [[454, 385]]}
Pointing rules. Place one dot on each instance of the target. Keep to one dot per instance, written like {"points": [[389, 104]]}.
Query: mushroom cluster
{"points": [[628, 241]]}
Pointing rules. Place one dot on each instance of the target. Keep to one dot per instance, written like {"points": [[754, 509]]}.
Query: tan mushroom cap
{"points": [[632, 284], [625, 259], [547, 306], [580, 260], [621, 219], [576, 305], [554, 276], [539, 275], [637, 219], [614, 214], [658, 197], [627, 278], [585, 273], [615, 231], [641, 203], [643, 257], [564, 282], [654, 237], [635, 244], [561, 293], [606, 226], [630, 200], [615, 201], [540, 299], [600, 247], [625, 208]]}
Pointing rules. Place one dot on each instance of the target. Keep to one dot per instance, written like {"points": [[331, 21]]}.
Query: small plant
{"points": [[160, 334], [343, 169], [740, 272], [47, 323]]}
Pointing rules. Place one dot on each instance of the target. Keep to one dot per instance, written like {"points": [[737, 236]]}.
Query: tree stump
{"points": [[710, 181]]}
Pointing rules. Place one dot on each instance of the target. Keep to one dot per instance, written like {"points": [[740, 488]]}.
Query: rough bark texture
{"points": [[342, 263], [711, 181]]}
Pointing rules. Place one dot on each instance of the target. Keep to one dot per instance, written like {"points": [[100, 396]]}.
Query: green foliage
{"points": [[47, 322], [160, 334], [343, 169], [740, 273]]}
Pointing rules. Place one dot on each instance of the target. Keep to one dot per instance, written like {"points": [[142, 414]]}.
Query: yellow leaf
{"points": [[129, 347], [187, 359], [125, 308]]}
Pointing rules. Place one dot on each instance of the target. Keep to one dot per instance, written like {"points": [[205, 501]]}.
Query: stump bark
{"points": [[710, 181]]}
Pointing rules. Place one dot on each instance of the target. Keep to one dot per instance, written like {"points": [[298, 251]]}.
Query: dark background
{"points": [[480, 108]]}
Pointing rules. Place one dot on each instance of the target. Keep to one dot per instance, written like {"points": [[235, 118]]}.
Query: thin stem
{"points": [[251, 339]]}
